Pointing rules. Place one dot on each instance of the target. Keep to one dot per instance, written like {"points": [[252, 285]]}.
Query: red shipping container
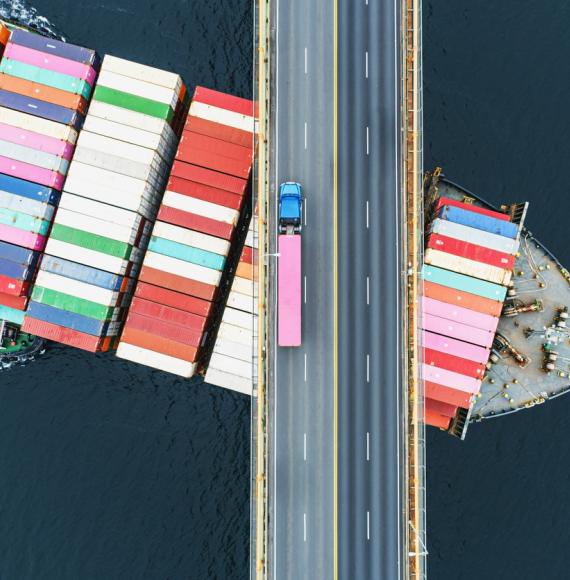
{"points": [[13, 287], [474, 208], [447, 395], [205, 193], [203, 158], [247, 255], [159, 344], [219, 131], [16, 302], [192, 221], [459, 298], [225, 101], [209, 177], [67, 335], [441, 408], [158, 327], [174, 299], [168, 314], [213, 145], [178, 283], [454, 363], [471, 251], [436, 420]]}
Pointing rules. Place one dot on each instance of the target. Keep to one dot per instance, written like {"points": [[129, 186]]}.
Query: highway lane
{"points": [[301, 508], [369, 287]]}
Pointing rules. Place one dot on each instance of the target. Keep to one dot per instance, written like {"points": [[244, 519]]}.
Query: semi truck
{"points": [[289, 265]]}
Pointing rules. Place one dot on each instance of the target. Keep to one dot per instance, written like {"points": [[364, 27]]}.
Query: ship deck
{"points": [[530, 361]]}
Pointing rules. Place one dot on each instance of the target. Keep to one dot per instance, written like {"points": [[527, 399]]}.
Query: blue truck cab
{"points": [[290, 208]]}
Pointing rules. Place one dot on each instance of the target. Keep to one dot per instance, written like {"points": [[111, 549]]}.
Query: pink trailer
{"points": [[450, 379], [460, 314], [289, 291], [455, 347], [457, 330], [36, 141]]}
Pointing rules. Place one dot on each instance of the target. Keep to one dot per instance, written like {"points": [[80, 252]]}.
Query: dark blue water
{"points": [[108, 469]]}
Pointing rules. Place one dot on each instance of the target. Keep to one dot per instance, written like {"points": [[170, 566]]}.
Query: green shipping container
{"points": [[133, 102], [23, 221], [46, 77], [72, 303], [91, 241]]}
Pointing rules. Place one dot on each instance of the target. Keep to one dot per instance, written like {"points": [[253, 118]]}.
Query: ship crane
{"points": [[503, 345], [521, 308]]}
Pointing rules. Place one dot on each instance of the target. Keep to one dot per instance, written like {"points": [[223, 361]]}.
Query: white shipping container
{"points": [[235, 334], [239, 318], [222, 116], [33, 157], [120, 183], [243, 286], [142, 72], [76, 288], [119, 165], [181, 268], [85, 256], [96, 226], [86, 206], [251, 239], [39, 209], [132, 119], [38, 125], [191, 238], [474, 236], [128, 134], [468, 267], [199, 207], [231, 365], [228, 381], [234, 349], [242, 302], [138, 88], [156, 360]]}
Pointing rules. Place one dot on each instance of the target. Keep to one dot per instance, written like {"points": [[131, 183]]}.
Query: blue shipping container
{"points": [[186, 253], [55, 47], [41, 109], [464, 283], [19, 254], [15, 270], [29, 189], [478, 221], [38, 209], [70, 319], [83, 273]]}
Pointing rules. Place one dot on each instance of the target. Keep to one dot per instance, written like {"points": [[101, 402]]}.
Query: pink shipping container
{"points": [[289, 291], [455, 347], [457, 330], [450, 379], [22, 238], [31, 173], [36, 141], [459, 314]]}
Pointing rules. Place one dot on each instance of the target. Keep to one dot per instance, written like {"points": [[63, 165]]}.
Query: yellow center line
{"points": [[335, 290]]}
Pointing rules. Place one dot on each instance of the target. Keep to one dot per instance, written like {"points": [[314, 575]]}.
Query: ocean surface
{"points": [[109, 470]]}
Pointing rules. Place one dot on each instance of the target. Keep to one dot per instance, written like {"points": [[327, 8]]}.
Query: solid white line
{"points": [[367, 368], [366, 74], [304, 527], [367, 446], [304, 447], [305, 134], [305, 60], [368, 525], [367, 141], [368, 290], [305, 289], [367, 215], [305, 367]]}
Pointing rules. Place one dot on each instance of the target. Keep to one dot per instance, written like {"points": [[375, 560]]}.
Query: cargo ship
{"points": [[487, 356]]}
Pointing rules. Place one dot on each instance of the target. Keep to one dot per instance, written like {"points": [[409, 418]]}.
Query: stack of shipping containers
{"points": [[467, 268], [231, 363], [45, 86], [186, 263], [110, 198]]}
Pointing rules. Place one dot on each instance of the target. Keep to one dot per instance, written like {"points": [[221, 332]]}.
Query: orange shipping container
{"points": [[159, 344], [447, 395], [245, 270], [436, 420], [444, 409], [464, 299]]}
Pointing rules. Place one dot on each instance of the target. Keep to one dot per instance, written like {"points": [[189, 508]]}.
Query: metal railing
{"points": [[413, 203]]}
